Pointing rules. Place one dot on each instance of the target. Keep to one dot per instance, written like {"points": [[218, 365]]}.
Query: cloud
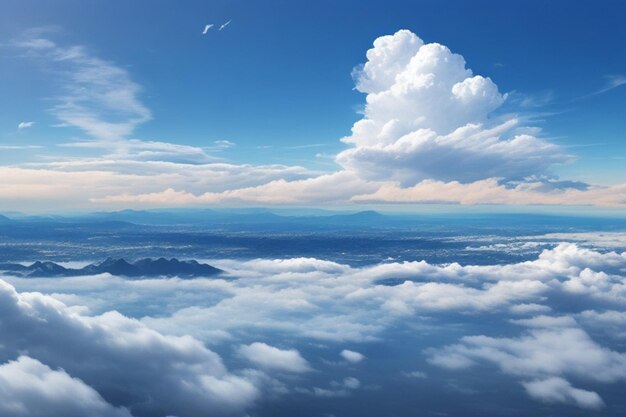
{"points": [[272, 358], [141, 150], [224, 144], [96, 96], [127, 363], [332, 188], [79, 183], [25, 125], [415, 374], [19, 147], [29, 388], [558, 390], [553, 347], [308, 299], [427, 117], [324, 300], [491, 191], [337, 389], [612, 82], [352, 356]]}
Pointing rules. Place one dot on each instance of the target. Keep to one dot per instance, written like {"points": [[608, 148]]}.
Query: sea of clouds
{"points": [[109, 346]]}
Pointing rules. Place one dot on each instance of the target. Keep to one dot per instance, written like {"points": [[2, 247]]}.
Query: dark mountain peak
{"points": [[147, 267], [118, 267], [45, 269], [174, 267]]}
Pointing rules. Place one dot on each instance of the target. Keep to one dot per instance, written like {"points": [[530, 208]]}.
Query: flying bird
{"points": [[206, 28], [225, 24]]}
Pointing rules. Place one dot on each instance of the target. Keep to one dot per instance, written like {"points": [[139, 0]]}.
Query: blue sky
{"points": [[277, 81]]}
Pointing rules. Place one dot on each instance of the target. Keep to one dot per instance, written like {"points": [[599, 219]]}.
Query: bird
{"points": [[225, 24], [206, 28]]}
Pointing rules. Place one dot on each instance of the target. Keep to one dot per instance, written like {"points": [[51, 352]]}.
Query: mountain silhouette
{"points": [[145, 268]]}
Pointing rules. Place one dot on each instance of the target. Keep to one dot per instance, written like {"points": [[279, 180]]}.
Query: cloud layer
{"points": [[560, 310], [127, 363]]}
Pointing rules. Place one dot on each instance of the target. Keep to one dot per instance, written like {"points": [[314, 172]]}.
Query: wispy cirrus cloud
{"points": [[95, 95], [612, 82]]}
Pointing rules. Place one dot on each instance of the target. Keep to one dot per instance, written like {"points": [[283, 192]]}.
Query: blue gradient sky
{"points": [[277, 81]]}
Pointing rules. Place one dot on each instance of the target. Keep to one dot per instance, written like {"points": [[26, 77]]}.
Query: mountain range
{"points": [[143, 268]]}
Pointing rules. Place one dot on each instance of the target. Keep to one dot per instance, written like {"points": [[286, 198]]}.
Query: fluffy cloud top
{"points": [[352, 356], [120, 358], [29, 388], [426, 117], [558, 390], [270, 357], [307, 298], [554, 347]]}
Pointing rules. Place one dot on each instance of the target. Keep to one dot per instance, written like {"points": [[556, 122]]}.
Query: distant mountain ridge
{"points": [[145, 268]]}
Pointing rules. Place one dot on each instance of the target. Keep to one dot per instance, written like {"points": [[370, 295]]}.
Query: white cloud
{"points": [[307, 298], [29, 388], [324, 300], [25, 125], [558, 390], [415, 374], [426, 117], [553, 348], [352, 356], [490, 191], [272, 358], [329, 301], [331, 188], [223, 144], [127, 363], [337, 389], [79, 183], [97, 96]]}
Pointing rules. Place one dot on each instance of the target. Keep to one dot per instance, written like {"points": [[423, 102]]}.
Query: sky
{"points": [[127, 104]]}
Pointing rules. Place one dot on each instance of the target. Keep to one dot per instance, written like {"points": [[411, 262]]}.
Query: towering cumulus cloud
{"points": [[427, 117]]}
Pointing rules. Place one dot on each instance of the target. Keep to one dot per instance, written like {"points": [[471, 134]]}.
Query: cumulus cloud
{"points": [[558, 390], [29, 388], [272, 358], [128, 364], [553, 348], [426, 117], [352, 356]]}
